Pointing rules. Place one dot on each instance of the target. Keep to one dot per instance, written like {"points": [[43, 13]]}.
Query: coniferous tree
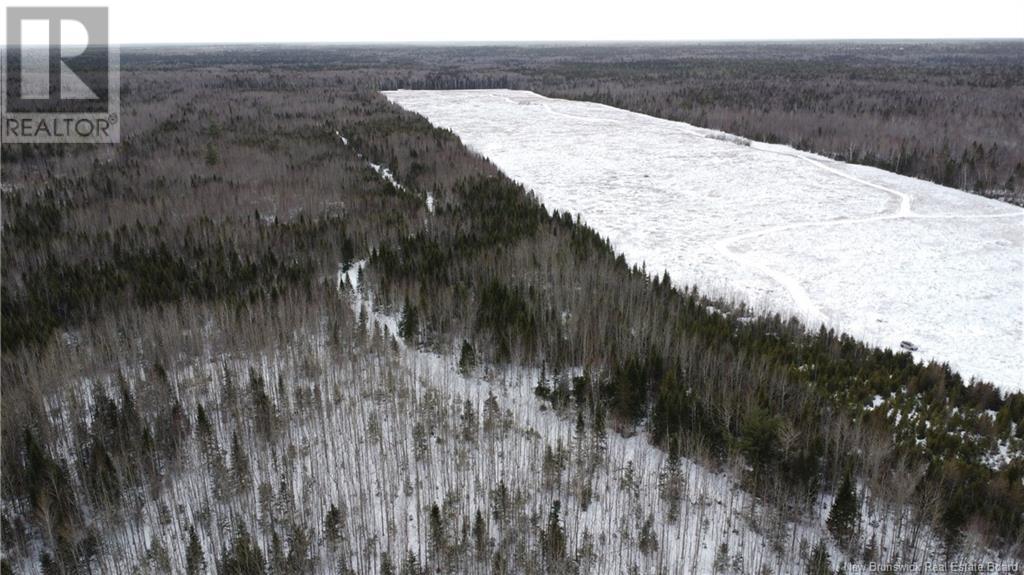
{"points": [[842, 519], [334, 525], [467, 358], [553, 535], [500, 503], [47, 565], [239, 463], [278, 557], [480, 535], [498, 563], [264, 407], [470, 423], [819, 562], [759, 438], [49, 488], [648, 540], [202, 421], [629, 482], [300, 559], [243, 557], [671, 482], [195, 560], [492, 414], [409, 325], [157, 557], [438, 539], [721, 562], [551, 468], [600, 432], [411, 565]]}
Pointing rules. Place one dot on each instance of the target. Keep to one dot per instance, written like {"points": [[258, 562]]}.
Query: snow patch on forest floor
{"points": [[883, 257]]}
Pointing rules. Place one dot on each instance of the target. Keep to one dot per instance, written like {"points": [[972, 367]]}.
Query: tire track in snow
{"points": [[796, 291], [581, 118], [805, 304], [904, 197], [801, 298]]}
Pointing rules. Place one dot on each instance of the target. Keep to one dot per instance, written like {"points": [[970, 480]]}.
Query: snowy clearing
{"points": [[883, 257]]}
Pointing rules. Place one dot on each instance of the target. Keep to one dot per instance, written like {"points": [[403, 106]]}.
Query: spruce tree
{"points": [[500, 503], [480, 535], [334, 525], [409, 324], [470, 422], [671, 482], [467, 359], [492, 414], [195, 561], [239, 463], [437, 535], [842, 519], [553, 536], [244, 557]]}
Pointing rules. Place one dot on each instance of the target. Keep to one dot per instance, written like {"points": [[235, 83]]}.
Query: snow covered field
{"points": [[881, 256]]}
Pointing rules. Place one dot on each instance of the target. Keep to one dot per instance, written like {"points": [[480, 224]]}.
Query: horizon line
{"points": [[439, 43]]}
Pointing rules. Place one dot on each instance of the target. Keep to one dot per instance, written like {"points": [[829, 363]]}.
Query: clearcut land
{"points": [[884, 257]]}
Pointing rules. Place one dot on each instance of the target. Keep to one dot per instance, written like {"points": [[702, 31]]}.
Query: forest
{"points": [[949, 112], [285, 326]]}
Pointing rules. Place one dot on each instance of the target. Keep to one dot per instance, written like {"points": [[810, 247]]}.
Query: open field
{"points": [[881, 256]]}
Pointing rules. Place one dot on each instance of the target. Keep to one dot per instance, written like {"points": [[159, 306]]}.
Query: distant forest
{"points": [[949, 112], [180, 356]]}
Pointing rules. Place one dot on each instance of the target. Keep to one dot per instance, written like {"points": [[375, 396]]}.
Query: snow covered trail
{"points": [[883, 257], [387, 175]]}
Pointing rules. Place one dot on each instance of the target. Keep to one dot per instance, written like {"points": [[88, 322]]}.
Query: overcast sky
{"points": [[207, 21]]}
